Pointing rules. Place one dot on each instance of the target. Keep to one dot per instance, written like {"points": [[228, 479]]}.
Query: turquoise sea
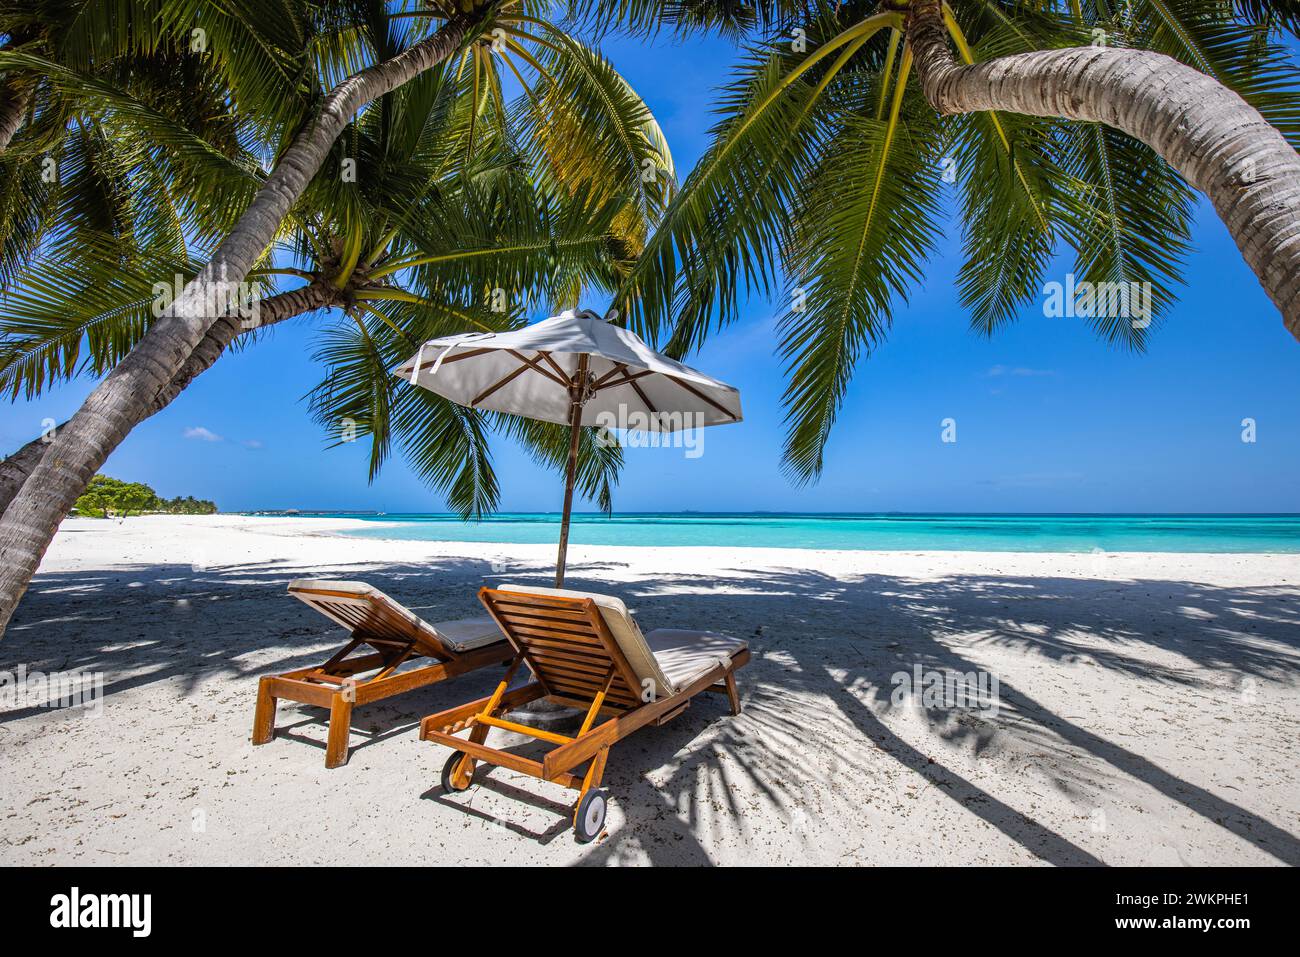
{"points": [[884, 532]]}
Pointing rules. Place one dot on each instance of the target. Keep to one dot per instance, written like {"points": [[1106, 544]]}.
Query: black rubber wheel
{"points": [[589, 815], [448, 769]]}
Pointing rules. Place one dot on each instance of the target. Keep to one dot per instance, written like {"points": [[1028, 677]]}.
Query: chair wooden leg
{"points": [[264, 715], [465, 770], [595, 771], [336, 747], [478, 734], [733, 694]]}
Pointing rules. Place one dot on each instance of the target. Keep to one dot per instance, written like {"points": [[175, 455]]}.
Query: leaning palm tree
{"points": [[62, 63], [1084, 124], [472, 31], [356, 238], [125, 396], [488, 228]]}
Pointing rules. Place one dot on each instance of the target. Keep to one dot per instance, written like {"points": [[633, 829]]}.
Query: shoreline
{"points": [[345, 523], [331, 528]]}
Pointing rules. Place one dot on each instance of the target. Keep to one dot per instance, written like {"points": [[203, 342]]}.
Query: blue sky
{"points": [[1048, 418]]}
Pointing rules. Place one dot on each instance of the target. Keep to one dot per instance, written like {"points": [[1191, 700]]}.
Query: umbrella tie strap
{"points": [[419, 359], [460, 340]]}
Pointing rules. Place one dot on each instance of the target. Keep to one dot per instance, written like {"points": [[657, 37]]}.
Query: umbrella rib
{"points": [[700, 395], [562, 380], [527, 364], [467, 355], [456, 358], [631, 377], [500, 382], [644, 398], [620, 368], [554, 365]]}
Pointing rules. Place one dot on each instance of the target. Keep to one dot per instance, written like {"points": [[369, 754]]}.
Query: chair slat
{"points": [[566, 644], [540, 621], [562, 637]]}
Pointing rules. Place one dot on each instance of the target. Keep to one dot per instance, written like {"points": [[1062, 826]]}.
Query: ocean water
{"points": [[883, 532]]}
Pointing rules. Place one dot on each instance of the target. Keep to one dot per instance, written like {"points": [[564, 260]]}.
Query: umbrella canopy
{"points": [[575, 369], [530, 372]]}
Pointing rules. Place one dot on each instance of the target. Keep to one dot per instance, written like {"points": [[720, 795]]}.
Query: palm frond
{"points": [[1128, 215], [600, 457], [1008, 179], [588, 128], [855, 253], [88, 314], [444, 443]]}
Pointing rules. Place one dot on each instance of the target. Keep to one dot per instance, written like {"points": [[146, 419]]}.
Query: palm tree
{"points": [[1078, 122], [61, 63], [610, 142], [123, 399], [101, 187]]}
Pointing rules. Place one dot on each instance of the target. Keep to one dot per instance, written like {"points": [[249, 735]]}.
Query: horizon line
{"points": [[814, 514]]}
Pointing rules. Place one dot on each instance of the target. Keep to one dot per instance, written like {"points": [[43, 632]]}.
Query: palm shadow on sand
{"points": [[828, 648]]}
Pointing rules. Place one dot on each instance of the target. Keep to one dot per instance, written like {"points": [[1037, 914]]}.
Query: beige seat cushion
{"points": [[685, 655], [623, 627], [466, 634], [455, 636]]}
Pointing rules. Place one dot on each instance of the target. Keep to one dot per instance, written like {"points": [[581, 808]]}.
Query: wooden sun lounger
{"points": [[586, 651], [394, 636]]}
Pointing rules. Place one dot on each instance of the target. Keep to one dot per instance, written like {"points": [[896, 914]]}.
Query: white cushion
{"points": [[456, 636], [466, 634], [685, 655]]}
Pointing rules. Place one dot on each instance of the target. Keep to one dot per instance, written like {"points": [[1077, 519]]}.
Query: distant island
{"points": [[107, 497]]}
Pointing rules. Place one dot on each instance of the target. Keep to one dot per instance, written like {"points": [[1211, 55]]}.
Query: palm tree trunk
{"points": [[124, 398], [16, 468], [273, 309], [15, 97], [1215, 139], [16, 92]]}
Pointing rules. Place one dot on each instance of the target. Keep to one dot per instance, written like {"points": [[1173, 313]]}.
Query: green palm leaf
{"points": [[586, 125], [855, 251], [1128, 215], [1008, 191], [65, 313], [600, 457]]}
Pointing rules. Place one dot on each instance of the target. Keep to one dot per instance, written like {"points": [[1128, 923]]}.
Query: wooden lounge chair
{"points": [[395, 636], [584, 650]]}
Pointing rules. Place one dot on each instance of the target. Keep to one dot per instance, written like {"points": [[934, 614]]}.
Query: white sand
{"points": [[1149, 711]]}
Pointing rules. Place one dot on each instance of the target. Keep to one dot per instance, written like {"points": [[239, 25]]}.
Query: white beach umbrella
{"points": [[574, 369]]}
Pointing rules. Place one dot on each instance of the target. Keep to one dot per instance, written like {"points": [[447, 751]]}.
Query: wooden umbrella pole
{"points": [[577, 390]]}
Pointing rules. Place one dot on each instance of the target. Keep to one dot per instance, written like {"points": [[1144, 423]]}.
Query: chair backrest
{"points": [[572, 641], [368, 613]]}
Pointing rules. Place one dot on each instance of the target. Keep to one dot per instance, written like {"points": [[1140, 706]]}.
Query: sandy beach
{"points": [[1147, 708]]}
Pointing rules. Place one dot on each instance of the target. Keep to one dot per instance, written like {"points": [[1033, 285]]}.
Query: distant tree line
{"points": [[107, 496]]}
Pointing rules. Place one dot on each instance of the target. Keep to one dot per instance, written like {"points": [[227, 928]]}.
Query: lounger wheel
{"points": [[589, 815], [448, 770]]}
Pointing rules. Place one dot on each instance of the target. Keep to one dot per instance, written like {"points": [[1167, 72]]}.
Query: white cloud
{"points": [[1019, 371], [252, 443], [199, 432]]}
